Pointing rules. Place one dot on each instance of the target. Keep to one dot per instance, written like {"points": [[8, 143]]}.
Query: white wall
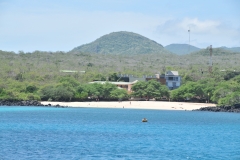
{"points": [[170, 83], [132, 79]]}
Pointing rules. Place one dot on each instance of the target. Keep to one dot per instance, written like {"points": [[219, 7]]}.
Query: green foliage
{"points": [[94, 90], [236, 79], [230, 99], [220, 92], [120, 94], [224, 92], [56, 93], [3, 94], [69, 81], [138, 89], [215, 51], [186, 78], [188, 91], [37, 75], [113, 77], [33, 97], [31, 88], [149, 89], [99, 77], [121, 43], [80, 96], [19, 77], [89, 64], [230, 75], [47, 92], [107, 89], [62, 93]]}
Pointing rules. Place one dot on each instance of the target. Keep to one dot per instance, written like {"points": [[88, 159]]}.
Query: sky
{"points": [[61, 25]]}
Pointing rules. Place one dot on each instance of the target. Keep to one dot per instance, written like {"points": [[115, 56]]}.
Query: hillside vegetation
{"points": [[38, 75], [215, 52], [121, 43], [233, 49]]}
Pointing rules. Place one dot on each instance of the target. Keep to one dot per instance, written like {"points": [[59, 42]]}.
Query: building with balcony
{"points": [[173, 80]]}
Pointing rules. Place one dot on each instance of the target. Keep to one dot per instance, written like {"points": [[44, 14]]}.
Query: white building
{"points": [[173, 80]]}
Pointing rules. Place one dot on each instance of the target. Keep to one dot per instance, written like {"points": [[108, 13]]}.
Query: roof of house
{"points": [[172, 73], [116, 83], [70, 71]]}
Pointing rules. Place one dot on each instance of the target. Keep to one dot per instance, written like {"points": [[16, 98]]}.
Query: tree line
{"points": [[69, 89], [222, 92]]}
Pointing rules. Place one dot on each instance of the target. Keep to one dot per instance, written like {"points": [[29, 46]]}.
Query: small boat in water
{"points": [[144, 120]]}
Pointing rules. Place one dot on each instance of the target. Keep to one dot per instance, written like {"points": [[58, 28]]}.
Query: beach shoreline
{"points": [[157, 105]]}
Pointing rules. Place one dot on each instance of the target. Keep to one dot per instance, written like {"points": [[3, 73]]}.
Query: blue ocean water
{"points": [[90, 133]]}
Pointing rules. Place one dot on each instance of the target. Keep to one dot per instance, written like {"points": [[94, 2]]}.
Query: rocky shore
{"points": [[235, 108], [27, 103]]}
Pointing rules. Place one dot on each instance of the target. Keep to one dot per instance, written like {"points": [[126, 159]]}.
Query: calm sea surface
{"points": [[88, 133]]}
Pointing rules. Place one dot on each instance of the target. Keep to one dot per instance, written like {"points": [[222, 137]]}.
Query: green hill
{"points": [[121, 43], [181, 49]]}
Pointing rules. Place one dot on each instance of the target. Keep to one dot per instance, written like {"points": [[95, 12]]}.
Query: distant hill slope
{"points": [[233, 49], [215, 52], [122, 43], [181, 48]]}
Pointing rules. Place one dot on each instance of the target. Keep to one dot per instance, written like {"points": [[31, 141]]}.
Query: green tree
{"points": [[188, 91], [56, 93], [63, 94], [221, 91], [94, 90], [230, 99], [47, 92], [139, 89], [107, 89], [119, 94], [113, 77], [224, 92], [31, 88], [3, 94], [149, 89]]}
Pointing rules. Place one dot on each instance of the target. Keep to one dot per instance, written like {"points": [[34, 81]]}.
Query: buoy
{"points": [[144, 120]]}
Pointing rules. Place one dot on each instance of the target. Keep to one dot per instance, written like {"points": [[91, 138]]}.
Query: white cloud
{"points": [[202, 32], [63, 30], [199, 26]]}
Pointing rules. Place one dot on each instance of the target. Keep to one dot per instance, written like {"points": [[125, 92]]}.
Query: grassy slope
{"points": [[44, 67]]}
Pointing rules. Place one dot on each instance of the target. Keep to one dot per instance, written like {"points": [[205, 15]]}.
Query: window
{"points": [[172, 78]]}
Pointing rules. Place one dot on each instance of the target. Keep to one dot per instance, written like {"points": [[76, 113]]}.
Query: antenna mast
{"points": [[210, 60]]}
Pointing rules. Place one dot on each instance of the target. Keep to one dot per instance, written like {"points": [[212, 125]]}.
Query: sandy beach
{"points": [[159, 105]]}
